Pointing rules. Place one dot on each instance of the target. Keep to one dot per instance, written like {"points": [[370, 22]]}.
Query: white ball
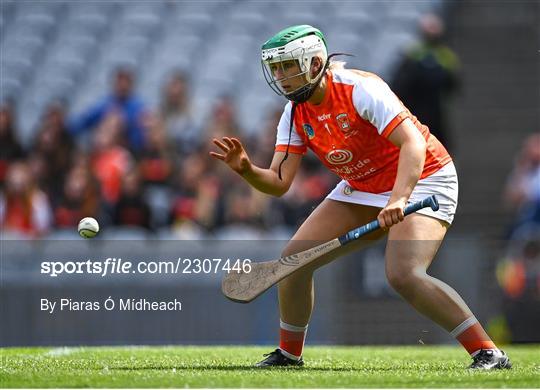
{"points": [[88, 227]]}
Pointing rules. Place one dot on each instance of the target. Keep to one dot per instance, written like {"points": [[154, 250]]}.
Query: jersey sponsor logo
{"points": [[356, 171], [323, 117], [308, 130], [339, 156]]}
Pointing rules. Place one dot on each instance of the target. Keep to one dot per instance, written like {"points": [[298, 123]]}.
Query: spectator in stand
{"points": [[242, 208], [24, 208], [260, 145], [110, 161], [157, 163], [197, 195], [10, 149], [39, 168], [310, 188], [427, 76], [53, 149], [132, 209], [223, 119], [518, 273], [123, 100], [79, 199], [157, 160], [523, 186], [177, 116]]}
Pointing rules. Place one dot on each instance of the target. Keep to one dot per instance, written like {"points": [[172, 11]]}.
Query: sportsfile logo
{"points": [[118, 266]]}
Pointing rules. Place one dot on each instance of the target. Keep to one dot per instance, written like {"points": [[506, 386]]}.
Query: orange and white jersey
{"points": [[349, 131]]}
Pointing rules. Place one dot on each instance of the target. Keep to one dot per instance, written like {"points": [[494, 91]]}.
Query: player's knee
{"points": [[292, 249], [404, 281]]}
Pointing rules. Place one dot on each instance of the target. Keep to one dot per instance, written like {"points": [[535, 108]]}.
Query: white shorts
{"points": [[443, 184]]}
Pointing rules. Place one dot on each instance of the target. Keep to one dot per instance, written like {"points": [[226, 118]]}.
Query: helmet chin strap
{"points": [[304, 93]]}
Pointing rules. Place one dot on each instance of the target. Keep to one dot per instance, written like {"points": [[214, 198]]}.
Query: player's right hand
{"points": [[234, 154]]}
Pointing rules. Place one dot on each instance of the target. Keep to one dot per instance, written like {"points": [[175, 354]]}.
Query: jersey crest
{"points": [[343, 122], [345, 126]]}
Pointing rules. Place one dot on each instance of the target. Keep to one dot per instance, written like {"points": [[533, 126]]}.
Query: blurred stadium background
{"points": [[189, 71]]}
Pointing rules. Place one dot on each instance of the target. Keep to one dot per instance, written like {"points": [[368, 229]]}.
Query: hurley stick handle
{"points": [[374, 225]]}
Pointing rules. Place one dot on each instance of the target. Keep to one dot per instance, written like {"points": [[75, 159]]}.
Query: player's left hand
{"points": [[393, 213]]}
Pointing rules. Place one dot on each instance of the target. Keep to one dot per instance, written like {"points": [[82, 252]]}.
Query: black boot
{"points": [[488, 359], [278, 359]]}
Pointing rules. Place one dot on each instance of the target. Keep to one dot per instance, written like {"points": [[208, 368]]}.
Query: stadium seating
{"points": [[67, 49]]}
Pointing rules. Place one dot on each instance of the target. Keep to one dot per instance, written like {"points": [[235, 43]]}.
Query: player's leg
{"points": [[328, 221], [296, 293], [412, 245]]}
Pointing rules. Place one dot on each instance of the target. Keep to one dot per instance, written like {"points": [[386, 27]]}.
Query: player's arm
{"points": [[268, 181], [412, 156], [264, 180], [376, 103]]}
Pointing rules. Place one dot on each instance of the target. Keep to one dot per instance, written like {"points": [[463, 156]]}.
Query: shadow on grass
{"points": [[291, 369]]}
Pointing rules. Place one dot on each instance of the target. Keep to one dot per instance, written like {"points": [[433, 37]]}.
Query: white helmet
{"points": [[298, 43]]}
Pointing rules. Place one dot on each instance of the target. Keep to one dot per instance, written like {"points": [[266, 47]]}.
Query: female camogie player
{"points": [[386, 158]]}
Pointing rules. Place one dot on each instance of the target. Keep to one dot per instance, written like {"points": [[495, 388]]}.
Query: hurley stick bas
{"points": [[243, 287]]}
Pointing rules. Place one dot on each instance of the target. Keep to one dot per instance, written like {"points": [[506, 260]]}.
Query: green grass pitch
{"points": [[330, 367]]}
